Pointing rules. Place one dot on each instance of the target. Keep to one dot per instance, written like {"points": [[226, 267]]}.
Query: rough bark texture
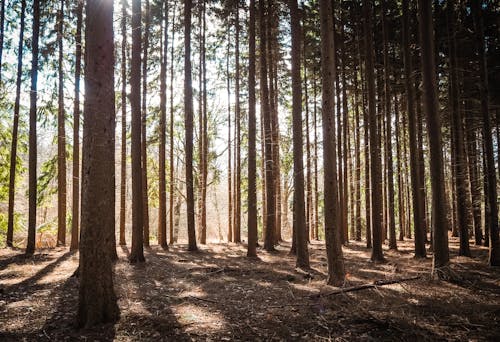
{"points": [[171, 136], [440, 228], [15, 127], [188, 109], [137, 251], [252, 132], [123, 161], [32, 179], [75, 221], [336, 270], [237, 137], [144, 116], [299, 219], [97, 299]]}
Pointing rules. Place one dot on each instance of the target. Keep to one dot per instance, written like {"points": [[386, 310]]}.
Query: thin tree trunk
{"points": [[237, 114], [162, 207], [470, 133], [333, 232], [252, 132], [144, 111], [15, 126], [489, 171], [357, 146], [316, 190], [61, 138], [299, 224], [76, 131], [2, 28], [32, 179], [137, 251], [123, 161], [440, 229], [171, 134], [229, 145]]}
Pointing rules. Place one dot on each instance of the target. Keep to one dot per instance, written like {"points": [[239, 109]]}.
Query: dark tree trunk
{"points": [[171, 135], [97, 299], [188, 109], [335, 259], [237, 114], [123, 161], [32, 179], [229, 147], [61, 137], [375, 161], [418, 222], [299, 219], [137, 251], [489, 170], [252, 132], [76, 131], [440, 229], [15, 127], [144, 143], [162, 187]]}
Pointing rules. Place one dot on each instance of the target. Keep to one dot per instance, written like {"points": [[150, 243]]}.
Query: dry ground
{"points": [[218, 294]]}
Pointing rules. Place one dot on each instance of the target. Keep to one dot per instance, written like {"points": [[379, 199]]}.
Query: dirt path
{"points": [[218, 294]]}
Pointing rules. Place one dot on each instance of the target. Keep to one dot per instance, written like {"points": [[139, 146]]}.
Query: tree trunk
{"points": [[237, 114], [418, 223], [388, 135], [61, 138], [137, 251], [123, 161], [171, 134], [32, 179], [489, 171], [188, 109], [375, 161], [162, 188], [299, 219], [440, 229], [76, 131], [357, 146], [229, 145], [2, 22], [144, 112], [335, 259], [15, 127], [97, 299], [470, 133], [252, 132]]}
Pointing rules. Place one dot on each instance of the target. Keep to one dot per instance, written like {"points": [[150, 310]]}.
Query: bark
{"points": [[162, 188], [336, 269], [299, 224], [401, 206], [229, 147], [171, 135], [32, 179], [188, 109], [123, 162], [76, 130], [137, 251], [357, 146], [269, 238], [440, 229], [316, 190], [388, 135], [252, 132], [418, 222], [61, 137], [375, 161], [345, 135], [97, 299], [489, 171], [475, 185], [237, 114], [15, 127], [144, 112], [2, 28]]}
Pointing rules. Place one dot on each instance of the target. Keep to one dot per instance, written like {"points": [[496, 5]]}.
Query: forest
{"points": [[249, 170]]}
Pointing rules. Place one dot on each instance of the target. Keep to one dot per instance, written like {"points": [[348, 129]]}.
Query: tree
{"points": [[97, 299], [15, 127], [2, 28], [265, 110], [32, 179], [237, 115], [252, 132], [171, 135], [489, 161], [299, 219], [418, 215], [162, 207], [336, 270], [61, 138], [188, 116], [123, 159], [375, 161], [440, 228], [137, 250], [75, 214], [144, 139]]}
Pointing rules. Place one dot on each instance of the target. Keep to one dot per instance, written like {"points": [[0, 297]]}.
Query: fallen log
{"points": [[364, 286]]}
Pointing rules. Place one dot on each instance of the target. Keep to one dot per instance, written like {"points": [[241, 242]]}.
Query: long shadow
{"points": [[30, 285], [22, 258]]}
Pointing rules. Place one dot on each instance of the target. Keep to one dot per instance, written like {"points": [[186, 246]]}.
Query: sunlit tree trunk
{"points": [[15, 126], [171, 135], [144, 112]]}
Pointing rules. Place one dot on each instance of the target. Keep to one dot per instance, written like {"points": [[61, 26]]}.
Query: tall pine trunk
{"points": [[144, 112], [123, 161]]}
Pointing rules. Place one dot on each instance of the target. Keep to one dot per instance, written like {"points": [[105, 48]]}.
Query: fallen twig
{"points": [[364, 286]]}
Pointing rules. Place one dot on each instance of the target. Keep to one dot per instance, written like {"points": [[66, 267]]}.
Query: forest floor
{"points": [[217, 294]]}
